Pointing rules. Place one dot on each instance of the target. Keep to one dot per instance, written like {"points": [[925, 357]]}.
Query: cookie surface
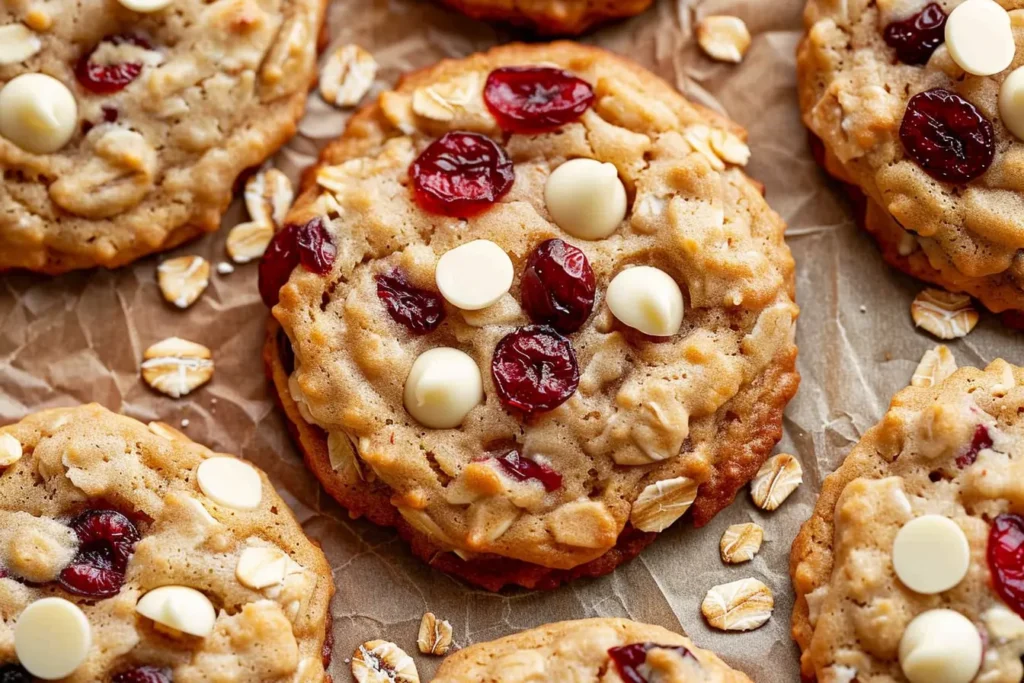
{"points": [[551, 17], [534, 493], [582, 651], [946, 212], [915, 528], [151, 118], [186, 564]]}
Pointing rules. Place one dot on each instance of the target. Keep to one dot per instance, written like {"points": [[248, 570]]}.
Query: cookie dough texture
{"points": [[851, 609], [853, 93], [221, 88], [705, 404], [550, 17], [87, 457], [578, 651]]}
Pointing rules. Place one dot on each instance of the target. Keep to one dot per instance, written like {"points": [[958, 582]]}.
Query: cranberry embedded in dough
{"points": [[443, 386], [52, 638], [37, 113], [586, 198], [646, 299]]}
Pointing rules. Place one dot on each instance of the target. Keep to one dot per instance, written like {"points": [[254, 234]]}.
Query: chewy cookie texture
{"points": [[528, 396], [131, 554], [124, 124], [910, 569], [920, 105]]}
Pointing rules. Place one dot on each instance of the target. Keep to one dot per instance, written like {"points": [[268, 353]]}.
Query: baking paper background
{"points": [[80, 337]]}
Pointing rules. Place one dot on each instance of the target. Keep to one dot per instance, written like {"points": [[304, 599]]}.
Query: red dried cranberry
{"points": [[461, 174], [309, 244], [418, 309], [316, 248], [1006, 559], [521, 469], [105, 79], [534, 369], [947, 136], [916, 38], [629, 658], [285, 351], [107, 540], [143, 674], [979, 442], [533, 99], [557, 287], [14, 673]]}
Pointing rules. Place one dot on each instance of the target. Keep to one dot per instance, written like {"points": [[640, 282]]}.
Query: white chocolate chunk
{"points": [[1011, 102], [261, 567], [474, 275], [979, 37], [18, 43], [940, 646], [37, 113], [646, 299], [146, 6], [179, 608], [10, 450], [52, 638], [931, 554], [586, 198], [443, 386], [230, 482]]}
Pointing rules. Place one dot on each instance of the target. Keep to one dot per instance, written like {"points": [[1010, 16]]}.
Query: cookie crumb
{"points": [[225, 268]]}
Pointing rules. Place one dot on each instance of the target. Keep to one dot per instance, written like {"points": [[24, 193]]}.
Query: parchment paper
{"points": [[80, 337]]}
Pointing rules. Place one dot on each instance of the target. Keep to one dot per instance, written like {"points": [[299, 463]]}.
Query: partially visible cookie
{"points": [[588, 651], [130, 553], [911, 564], [551, 17]]}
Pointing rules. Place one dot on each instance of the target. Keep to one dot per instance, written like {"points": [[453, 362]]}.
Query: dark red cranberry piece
{"points": [[916, 38], [106, 542], [316, 248], [461, 174], [979, 442], [104, 79], [521, 469], [557, 287], [629, 658], [1006, 559], [14, 673], [421, 310], [309, 244], [285, 351], [533, 99], [947, 136], [143, 674], [534, 369]]}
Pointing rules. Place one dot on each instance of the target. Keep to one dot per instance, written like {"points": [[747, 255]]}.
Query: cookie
{"points": [[530, 315], [130, 553], [550, 17], [917, 105], [583, 650], [911, 562], [124, 125]]}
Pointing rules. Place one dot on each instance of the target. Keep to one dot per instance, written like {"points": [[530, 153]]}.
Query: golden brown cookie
{"points": [[521, 428], [122, 132], [132, 554], [551, 17], [911, 563]]}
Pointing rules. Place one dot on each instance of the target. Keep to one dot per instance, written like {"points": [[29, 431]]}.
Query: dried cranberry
{"points": [[14, 673], [557, 287], [947, 135], [629, 658], [107, 540], [461, 174], [979, 442], [309, 244], [1006, 559], [316, 248], [418, 309], [916, 38], [533, 99], [521, 469], [105, 79], [143, 674], [534, 369]]}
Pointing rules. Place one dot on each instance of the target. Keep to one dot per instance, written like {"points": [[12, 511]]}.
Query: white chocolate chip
{"points": [[443, 386], [37, 113], [10, 450], [940, 646], [146, 6], [931, 554], [1011, 102], [474, 275], [979, 37], [646, 299], [723, 37], [52, 638], [230, 482], [18, 43], [586, 198], [261, 567], [180, 609]]}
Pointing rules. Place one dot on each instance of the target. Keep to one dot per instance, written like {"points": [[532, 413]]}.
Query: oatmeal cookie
{"points": [[582, 651], [919, 104], [910, 567], [124, 124], [130, 553], [551, 17], [530, 316]]}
